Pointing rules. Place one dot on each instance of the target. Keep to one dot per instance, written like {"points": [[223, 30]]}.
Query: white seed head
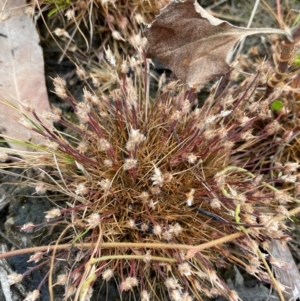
{"points": [[139, 19], [93, 220], [157, 230], [108, 163], [176, 229], [82, 147], [55, 212], [215, 203], [89, 97], [82, 111], [25, 123], [76, 276], [176, 295], [186, 106], [220, 179], [157, 177], [144, 227], [30, 11], [224, 113], [145, 296], [117, 36], [80, 72], [62, 279], [147, 257], [240, 199], [184, 269], [152, 204], [51, 144], [144, 196], [191, 158], [106, 2], [290, 167], [40, 188], [137, 41], [155, 190], [35, 257], [186, 297], [128, 284], [60, 32], [282, 210], [105, 184], [32, 296], [28, 227], [70, 14], [87, 293], [278, 263], [168, 235], [131, 93], [289, 178], [104, 145], [167, 177], [135, 138], [69, 291], [272, 127], [14, 278], [172, 284], [60, 87], [107, 274], [27, 106], [212, 276], [131, 224], [51, 116], [3, 157], [81, 189], [110, 57], [176, 116], [190, 197], [129, 164], [124, 67], [247, 135]]}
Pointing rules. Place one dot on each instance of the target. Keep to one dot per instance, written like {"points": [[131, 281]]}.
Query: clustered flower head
{"points": [[119, 26], [136, 173]]}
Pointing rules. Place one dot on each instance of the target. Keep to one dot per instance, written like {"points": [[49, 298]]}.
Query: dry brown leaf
{"points": [[195, 45], [287, 272], [21, 68]]}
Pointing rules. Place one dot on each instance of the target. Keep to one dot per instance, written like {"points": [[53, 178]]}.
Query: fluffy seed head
{"points": [[14, 278], [129, 164], [176, 295], [81, 189], [105, 184], [3, 157], [145, 296], [36, 257], [28, 227], [185, 269], [128, 283], [172, 284], [93, 220], [55, 212], [60, 87], [135, 138], [110, 57], [62, 279], [32, 296], [107, 274], [157, 177]]}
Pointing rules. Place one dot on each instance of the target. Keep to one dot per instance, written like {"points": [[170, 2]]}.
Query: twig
{"points": [[108, 245], [283, 60]]}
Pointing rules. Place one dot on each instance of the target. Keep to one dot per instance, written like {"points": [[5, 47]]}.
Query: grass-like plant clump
{"points": [[161, 193], [154, 184]]}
